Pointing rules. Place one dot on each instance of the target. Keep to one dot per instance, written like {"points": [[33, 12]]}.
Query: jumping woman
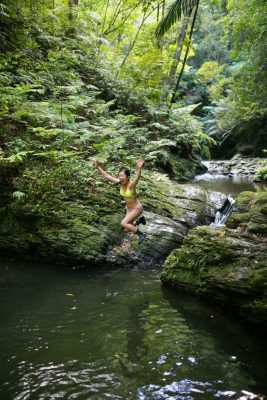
{"points": [[127, 191]]}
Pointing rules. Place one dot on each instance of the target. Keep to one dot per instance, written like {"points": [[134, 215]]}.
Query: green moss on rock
{"points": [[73, 224], [250, 210], [229, 266]]}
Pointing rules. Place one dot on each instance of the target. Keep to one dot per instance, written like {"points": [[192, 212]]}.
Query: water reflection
{"points": [[232, 185], [136, 347], [117, 334], [241, 358]]}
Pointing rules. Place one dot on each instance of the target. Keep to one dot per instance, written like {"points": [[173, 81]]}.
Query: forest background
{"points": [[119, 79]]}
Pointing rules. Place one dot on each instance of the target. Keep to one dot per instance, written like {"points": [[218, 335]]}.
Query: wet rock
{"points": [[163, 235], [227, 394], [218, 167], [227, 265], [88, 231], [236, 167], [186, 206], [250, 396]]}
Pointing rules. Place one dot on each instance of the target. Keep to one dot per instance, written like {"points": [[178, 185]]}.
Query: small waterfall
{"points": [[222, 215]]}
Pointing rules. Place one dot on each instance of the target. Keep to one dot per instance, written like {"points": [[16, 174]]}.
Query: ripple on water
{"points": [[181, 390], [64, 381], [125, 339]]}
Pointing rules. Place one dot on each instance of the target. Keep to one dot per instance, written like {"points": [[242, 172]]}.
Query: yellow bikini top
{"points": [[127, 194]]}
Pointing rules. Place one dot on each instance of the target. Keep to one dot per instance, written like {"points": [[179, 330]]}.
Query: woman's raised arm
{"points": [[140, 164], [104, 173]]}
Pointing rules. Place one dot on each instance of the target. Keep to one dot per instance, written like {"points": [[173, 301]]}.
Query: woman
{"points": [[127, 190]]}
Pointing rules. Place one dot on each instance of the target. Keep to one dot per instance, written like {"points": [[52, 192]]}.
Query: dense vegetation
{"points": [[82, 79], [173, 81]]}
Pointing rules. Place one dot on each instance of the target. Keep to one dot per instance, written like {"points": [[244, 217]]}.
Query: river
{"points": [[118, 334]]}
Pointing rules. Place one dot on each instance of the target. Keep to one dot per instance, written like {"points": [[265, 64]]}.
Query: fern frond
{"points": [[17, 195], [177, 8]]}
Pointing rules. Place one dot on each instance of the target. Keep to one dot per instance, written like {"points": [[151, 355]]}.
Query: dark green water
{"points": [[114, 334]]}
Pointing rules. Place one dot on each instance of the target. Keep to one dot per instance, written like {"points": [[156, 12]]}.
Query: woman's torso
{"points": [[129, 195]]}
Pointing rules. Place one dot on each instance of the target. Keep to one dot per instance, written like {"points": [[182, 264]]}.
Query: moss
{"points": [[258, 276], [258, 214], [244, 201], [194, 258], [181, 168], [182, 278], [262, 174], [81, 227], [177, 167], [250, 212], [235, 220], [226, 265]]}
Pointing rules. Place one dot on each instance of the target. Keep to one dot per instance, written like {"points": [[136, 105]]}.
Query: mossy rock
{"points": [[237, 220], [177, 167], [86, 228], [250, 211], [225, 265], [244, 201]]}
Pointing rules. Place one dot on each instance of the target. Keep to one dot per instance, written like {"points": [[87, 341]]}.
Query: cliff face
{"points": [[228, 264]]}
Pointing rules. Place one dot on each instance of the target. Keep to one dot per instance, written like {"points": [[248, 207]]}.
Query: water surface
{"points": [[117, 334], [229, 185]]}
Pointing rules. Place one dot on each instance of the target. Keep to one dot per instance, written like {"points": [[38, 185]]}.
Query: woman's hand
{"points": [[140, 162]]}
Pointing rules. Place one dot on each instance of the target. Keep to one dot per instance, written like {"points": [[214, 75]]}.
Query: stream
{"points": [[228, 185], [118, 334]]}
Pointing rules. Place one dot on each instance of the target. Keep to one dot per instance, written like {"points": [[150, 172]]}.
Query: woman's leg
{"points": [[127, 222]]}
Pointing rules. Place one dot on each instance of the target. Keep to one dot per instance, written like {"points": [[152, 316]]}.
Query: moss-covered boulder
{"points": [[174, 209], [250, 212], [227, 265], [82, 224], [177, 167]]}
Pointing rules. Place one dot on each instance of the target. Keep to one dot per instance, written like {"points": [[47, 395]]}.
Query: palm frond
{"points": [[176, 10]]}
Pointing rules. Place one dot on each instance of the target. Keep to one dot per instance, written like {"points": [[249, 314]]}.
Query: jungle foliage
{"points": [[81, 79]]}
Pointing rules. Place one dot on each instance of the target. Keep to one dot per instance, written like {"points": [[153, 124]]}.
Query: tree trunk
{"points": [[186, 54], [161, 39], [158, 9], [224, 6], [72, 3], [163, 8], [169, 83]]}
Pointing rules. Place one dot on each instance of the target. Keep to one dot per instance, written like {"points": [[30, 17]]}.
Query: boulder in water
{"points": [[227, 265]]}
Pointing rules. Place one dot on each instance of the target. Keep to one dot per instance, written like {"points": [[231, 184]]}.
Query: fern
{"points": [[17, 158], [262, 174], [17, 195], [157, 145]]}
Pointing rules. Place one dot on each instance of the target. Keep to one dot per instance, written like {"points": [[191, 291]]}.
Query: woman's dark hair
{"points": [[126, 171]]}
